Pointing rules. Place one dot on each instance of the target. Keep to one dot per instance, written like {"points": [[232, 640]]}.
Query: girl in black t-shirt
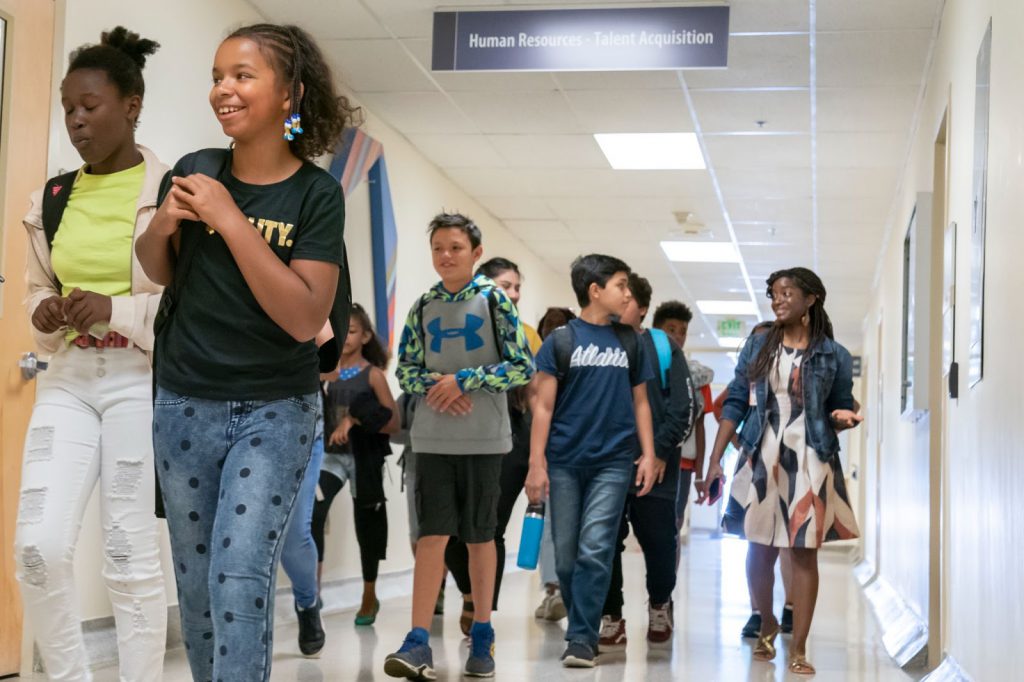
{"points": [[236, 366]]}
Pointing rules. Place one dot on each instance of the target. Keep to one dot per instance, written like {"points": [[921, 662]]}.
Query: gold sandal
{"points": [[799, 665], [764, 650]]}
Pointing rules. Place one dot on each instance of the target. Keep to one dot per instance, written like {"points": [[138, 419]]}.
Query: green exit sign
{"points": [[730, 328]]}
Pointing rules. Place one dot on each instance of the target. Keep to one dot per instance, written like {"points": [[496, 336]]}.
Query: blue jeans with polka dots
{"points": [[230, 472]]}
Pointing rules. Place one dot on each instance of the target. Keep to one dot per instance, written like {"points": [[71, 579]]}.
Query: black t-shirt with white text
{"points": [[219, 344]]}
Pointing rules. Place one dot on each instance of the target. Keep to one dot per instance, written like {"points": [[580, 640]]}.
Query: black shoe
{"points": [[311, 629], [753, 627], [787, 620]]}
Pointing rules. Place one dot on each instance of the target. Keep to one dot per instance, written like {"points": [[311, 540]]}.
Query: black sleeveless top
{"points": [[346, 395]]}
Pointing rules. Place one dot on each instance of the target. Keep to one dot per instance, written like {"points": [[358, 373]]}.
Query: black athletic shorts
{"points": [[458, 495]]}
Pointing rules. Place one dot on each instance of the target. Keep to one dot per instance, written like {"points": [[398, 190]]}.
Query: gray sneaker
{"points": [[579, 655]]}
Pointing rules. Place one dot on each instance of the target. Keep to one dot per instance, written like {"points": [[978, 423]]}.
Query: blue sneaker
{"points": [[481, 651], [414, 660]]}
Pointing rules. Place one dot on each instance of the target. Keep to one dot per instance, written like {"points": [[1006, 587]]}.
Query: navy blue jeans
{"points": [[230, 472], [586, 509]]}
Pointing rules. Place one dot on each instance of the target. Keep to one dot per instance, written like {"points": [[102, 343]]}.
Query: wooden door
{"points": [[24, 128]]}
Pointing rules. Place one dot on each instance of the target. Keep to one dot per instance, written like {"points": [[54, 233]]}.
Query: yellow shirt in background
{"points": [[92, 249], [532, 338]]}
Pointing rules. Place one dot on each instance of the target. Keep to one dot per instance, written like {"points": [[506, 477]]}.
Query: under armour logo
{"points": [[469, 333], [55, 190]]}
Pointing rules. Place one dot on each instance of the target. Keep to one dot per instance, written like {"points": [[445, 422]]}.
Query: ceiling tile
{"points": [[759, 62], [628, 111], [458, 151], [740, 111], [768, 15], [418, 112], [772, 210], [330, 18], [375, 66], [843, 15], [866, 110], [518, 112], [549, 151], [857, 182], [540, 230], [773, 183], [861, 150], [517, 208], [761, 152], [617, 80], [836, 213], [872, 58]]}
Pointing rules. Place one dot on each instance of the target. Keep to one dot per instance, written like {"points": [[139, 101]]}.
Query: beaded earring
{"points": [[292, 127]]}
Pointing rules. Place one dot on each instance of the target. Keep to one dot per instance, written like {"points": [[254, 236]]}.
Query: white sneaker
{"points": [[552, 607], [613, 635], [659, 623]]}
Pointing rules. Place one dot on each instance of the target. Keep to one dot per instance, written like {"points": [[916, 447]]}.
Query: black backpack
{"points": [[565, 341]]}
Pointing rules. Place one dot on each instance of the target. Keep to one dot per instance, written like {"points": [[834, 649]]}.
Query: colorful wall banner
{"points": [[635, 38], [359, 157]]}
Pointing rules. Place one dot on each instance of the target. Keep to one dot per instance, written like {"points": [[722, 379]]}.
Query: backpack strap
{"points": [[56, 193], [664, 350], [209, 162], [564, 342], [631, 344], [330, 353]]}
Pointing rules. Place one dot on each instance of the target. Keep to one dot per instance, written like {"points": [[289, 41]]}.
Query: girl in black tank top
{"points": [[359, 413]]}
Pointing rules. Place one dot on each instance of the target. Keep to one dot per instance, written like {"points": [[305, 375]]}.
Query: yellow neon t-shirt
{"points": [[92, 249]]}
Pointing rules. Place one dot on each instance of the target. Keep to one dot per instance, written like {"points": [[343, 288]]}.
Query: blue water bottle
{"points": [[529, 542]]}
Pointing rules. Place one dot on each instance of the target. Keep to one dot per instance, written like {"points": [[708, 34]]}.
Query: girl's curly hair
{"points": [[297, 60]]}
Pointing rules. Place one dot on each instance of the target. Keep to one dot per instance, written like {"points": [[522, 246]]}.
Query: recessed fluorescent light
{"points": [[701, 252], [730, 342], [727, 307], [651, 151]]}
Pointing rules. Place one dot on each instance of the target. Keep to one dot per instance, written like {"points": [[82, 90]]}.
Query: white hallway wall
{"points": [[177, 120], [984, 532]]}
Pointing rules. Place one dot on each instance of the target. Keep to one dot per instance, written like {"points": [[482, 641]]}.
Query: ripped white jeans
{"points": [[92, 421]]}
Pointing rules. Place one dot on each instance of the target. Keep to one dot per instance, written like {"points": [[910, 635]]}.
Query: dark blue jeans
{"points": [[230, 472], [586, 509]]}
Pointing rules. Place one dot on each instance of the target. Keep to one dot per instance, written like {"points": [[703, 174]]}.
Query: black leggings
{"points": [[514, 467], [371, 523], [654, 524]]}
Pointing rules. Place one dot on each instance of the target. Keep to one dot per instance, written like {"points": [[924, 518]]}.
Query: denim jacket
{"points": [[827, 385]]}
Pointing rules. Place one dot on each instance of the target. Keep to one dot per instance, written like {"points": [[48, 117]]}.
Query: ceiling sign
{"points": [[730, 328], [626, 39]]}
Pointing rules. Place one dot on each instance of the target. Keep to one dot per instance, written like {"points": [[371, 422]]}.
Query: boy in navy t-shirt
{"points": [[591, 423]]}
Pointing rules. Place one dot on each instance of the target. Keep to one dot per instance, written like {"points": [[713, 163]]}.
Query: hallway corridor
{"points": [[711, 607]]}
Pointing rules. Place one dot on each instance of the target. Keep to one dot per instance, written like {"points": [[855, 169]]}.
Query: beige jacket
{"points": [[131, 316]]}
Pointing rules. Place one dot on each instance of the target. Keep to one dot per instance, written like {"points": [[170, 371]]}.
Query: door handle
{"points": [[31, 365]]}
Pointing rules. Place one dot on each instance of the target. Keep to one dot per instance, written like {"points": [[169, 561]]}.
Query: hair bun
{"points": [[130, 43]]}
